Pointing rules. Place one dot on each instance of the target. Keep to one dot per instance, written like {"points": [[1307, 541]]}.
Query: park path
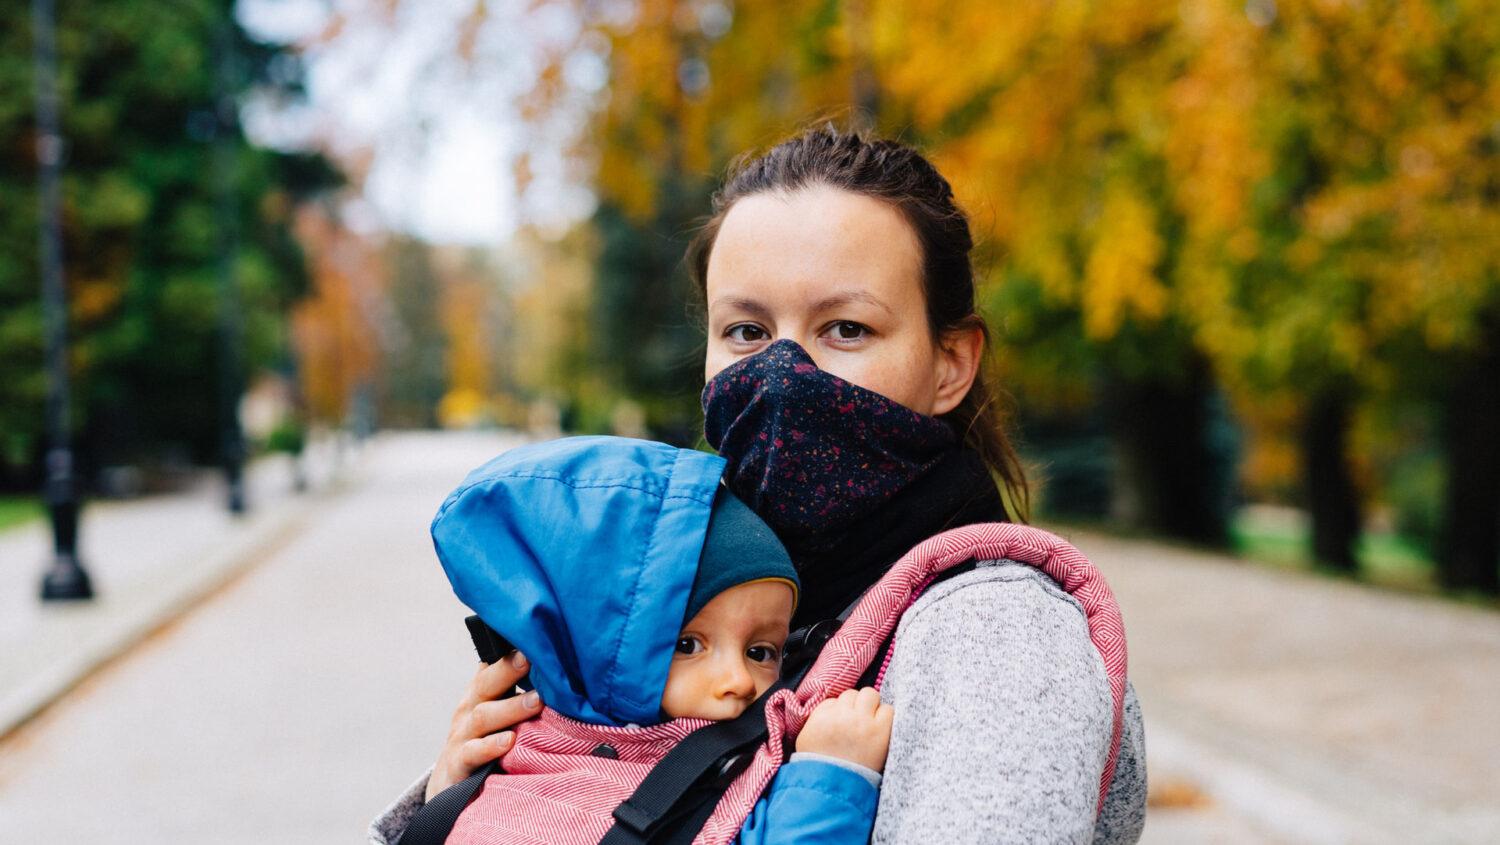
{"points": [[1323, 711], [290, 705]]}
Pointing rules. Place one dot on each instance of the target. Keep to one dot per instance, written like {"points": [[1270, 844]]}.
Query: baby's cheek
{"points": [[675, 697]]}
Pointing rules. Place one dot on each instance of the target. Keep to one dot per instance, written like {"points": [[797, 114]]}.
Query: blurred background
{"points": [[1241, 259]]}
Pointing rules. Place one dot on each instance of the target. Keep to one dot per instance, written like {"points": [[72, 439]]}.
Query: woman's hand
{"points": [[479, 731], [856, 727]]}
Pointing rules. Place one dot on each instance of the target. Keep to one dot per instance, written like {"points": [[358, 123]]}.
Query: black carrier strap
{"points": [[432, 824], [679, 794], [434, 821]]}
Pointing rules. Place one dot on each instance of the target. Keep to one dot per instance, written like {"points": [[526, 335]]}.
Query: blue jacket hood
{"points": [[582, 553]]}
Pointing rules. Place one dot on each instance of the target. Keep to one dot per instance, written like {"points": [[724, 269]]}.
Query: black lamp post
{"points": [[66, 579], [231, 437]]}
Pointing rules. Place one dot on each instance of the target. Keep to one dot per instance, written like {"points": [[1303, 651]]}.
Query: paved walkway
{"points": [[1319, 710], [292, 701], [149, 559]]}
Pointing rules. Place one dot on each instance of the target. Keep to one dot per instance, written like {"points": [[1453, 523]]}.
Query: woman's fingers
{"points": [[487, 717], [477, 752], [496, 679], [481, 725]]}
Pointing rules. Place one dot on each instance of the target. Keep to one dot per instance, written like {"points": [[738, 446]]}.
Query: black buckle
{"points": [[813, 636], [634, 819]]}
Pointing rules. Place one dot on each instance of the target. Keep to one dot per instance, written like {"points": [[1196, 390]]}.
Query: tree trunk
{"points": [[1470, 551], [1172, 480], [1332, 500]]}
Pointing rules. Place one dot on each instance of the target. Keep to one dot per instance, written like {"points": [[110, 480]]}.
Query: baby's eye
{"points": [[848, 330], [746, 333], [689, 645], [761, 653]]}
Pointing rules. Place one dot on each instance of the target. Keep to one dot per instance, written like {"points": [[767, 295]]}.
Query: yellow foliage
{"points": [[1120, 278], [461, 408]]}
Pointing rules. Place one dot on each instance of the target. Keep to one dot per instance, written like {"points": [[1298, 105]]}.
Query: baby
{"points": [[649, 601]]}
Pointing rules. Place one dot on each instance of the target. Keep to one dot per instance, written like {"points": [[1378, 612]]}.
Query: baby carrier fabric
{"points": [[564, 777]]}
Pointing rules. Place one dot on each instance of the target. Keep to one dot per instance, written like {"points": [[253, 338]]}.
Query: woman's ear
{"points": [[959, 352]]}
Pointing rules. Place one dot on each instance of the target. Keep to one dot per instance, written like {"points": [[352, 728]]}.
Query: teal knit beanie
{"points": [[738, 549]]}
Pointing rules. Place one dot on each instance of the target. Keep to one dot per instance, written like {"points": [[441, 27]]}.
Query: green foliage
{"points": [[288, 437], [1390, 560], [415, 372], [143, 226], [18, 510], [646, 340]]}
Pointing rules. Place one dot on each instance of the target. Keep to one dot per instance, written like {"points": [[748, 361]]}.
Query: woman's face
{"points": [[841, 274]]}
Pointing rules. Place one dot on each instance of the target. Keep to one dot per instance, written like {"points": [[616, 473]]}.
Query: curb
{"points": [[108, 628]]}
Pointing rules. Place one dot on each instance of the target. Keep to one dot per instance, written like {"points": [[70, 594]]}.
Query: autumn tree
{"points": [[1359, 265], [338, 326]]}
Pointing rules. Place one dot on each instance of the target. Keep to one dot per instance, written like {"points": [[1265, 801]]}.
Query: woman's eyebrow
{"points": [[843, 298], [749, 306]]}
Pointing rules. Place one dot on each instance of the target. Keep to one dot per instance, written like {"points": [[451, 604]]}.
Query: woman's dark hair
{"points": [[899, 175]]}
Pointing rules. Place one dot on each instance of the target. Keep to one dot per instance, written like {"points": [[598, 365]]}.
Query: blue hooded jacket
{"points": [[581, 552]]}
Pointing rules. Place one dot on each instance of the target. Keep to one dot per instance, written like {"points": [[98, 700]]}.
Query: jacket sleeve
{"points": [[813, 802], [387, 827], [1003, 715]]}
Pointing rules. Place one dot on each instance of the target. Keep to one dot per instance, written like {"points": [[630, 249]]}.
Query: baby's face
{"points": [[730, 652]]}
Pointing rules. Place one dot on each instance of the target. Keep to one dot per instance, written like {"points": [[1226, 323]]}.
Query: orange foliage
{"points": [[335, 329]]}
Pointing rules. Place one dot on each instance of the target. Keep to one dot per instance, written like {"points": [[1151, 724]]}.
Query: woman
{"points": [[844, 367]]}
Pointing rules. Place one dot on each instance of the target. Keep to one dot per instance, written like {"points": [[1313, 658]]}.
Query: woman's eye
{"points": [[761, 653], [849, 330], [746, 333], [689, 645]]}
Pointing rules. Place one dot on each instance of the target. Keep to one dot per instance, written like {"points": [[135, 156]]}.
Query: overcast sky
{"points": [[442, 132]]}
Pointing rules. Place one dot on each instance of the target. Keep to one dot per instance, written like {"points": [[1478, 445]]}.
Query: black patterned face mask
{"points": [[809, 451]]}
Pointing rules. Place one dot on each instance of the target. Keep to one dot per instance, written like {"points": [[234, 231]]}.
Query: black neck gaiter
{"points": [[849, 480]]}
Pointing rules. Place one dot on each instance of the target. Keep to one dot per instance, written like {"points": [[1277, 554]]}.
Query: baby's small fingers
{"points": [[867, 699]]}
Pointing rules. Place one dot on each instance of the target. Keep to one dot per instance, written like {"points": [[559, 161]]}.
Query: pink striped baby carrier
{"points": [[575, 783]]}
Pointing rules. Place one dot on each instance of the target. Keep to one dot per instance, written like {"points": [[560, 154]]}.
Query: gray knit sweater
{"points": [[1002, 723]]}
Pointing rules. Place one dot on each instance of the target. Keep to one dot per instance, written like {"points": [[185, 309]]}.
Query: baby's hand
{"points": [[856, 727]]}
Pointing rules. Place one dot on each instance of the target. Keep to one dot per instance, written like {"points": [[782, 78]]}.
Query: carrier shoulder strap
{"points": [[434, 821], [668, 799], [672, 804]]}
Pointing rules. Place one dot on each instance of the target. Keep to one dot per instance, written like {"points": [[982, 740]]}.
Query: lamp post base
{"points": [[66, 581]]}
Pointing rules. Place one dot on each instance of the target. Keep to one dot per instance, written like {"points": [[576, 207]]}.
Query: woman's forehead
{"points": [[800, 248]]}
